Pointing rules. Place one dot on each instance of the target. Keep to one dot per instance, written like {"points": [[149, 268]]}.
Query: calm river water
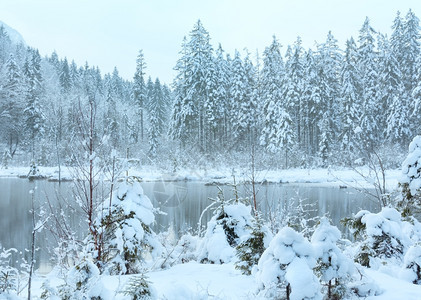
{"points": [[183, 203]]}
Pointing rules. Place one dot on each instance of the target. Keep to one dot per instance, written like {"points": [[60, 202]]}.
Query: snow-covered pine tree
{"points": [[239, 98], [285, 270], [382, 236], [230, 224], [157, 116], [33, 112], [126, 229], [83, 281], [139, 89], [411, 50], [411, 269], [195, 75], [64, 76], [251, 249], [367, 65], [293, 88], [333, 267], [393, 98], [139, 288], [218, 109], [410, 182], [328, 61], [271, 81], [12, 96], [350, 97]]}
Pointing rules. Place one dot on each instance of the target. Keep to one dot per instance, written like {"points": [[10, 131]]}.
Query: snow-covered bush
{"points": [[382, 236], [180, 252], [285, 270], [410, 182], [83, 281], [412, 264], [9, 276], [126, 230], [250, 250], [333, 267], [230, 224], [139, 288]]}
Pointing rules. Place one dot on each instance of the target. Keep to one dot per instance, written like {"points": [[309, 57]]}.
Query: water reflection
{"points": [[182, 203]]}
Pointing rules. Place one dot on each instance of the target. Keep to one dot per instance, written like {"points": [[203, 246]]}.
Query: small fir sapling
{"points": [[333, 267], [250, 250], [126, 229], [411, 270], [285, 270], [83, 281], [382, 235], [230, 224], [139, 288]]}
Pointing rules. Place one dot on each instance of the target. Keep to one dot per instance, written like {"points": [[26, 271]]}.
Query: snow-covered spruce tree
{"points": [[230, 224], [125, 228], [350, 98], [381, 234], [83, 282], [333, 267], [139, 89], [251, 249], [367, 55], [410, 182], [411, 269], [285, 268]]}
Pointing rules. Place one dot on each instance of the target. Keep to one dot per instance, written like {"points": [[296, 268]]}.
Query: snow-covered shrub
{"points": [[410, 182], [183, 251], [250, 250], [285, 270], [126, 229], [83, 281], [9, 276], [412, 264], [139, 288], [365, 288], [230, 224], [333, 267], [382, 236], [49, 291]]}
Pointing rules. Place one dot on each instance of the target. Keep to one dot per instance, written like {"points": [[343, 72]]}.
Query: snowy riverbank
{"points": [[330, 176]]}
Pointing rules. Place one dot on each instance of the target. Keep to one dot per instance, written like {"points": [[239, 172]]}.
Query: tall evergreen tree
{"points": [[139, 89], [350, 98], [33, 112], [272, 76], [367, 64]]}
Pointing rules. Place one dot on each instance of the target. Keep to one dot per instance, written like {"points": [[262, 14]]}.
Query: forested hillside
{"points": [[329, 105]]}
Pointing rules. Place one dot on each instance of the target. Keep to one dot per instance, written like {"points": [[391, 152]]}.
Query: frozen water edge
{"points": [[340, 177]]}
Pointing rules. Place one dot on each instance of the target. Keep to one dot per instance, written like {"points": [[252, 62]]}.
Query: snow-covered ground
{"points": [[206, 281]]}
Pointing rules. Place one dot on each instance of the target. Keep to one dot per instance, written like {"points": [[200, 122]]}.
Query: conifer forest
{"points": [[292, 107]]}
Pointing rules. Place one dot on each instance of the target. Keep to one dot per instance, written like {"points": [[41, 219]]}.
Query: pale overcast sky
{"points": [[110, 33]]}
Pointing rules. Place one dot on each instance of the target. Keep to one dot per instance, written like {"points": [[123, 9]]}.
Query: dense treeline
{"points": [[312, 107], [308, 107], [43, 103]]}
